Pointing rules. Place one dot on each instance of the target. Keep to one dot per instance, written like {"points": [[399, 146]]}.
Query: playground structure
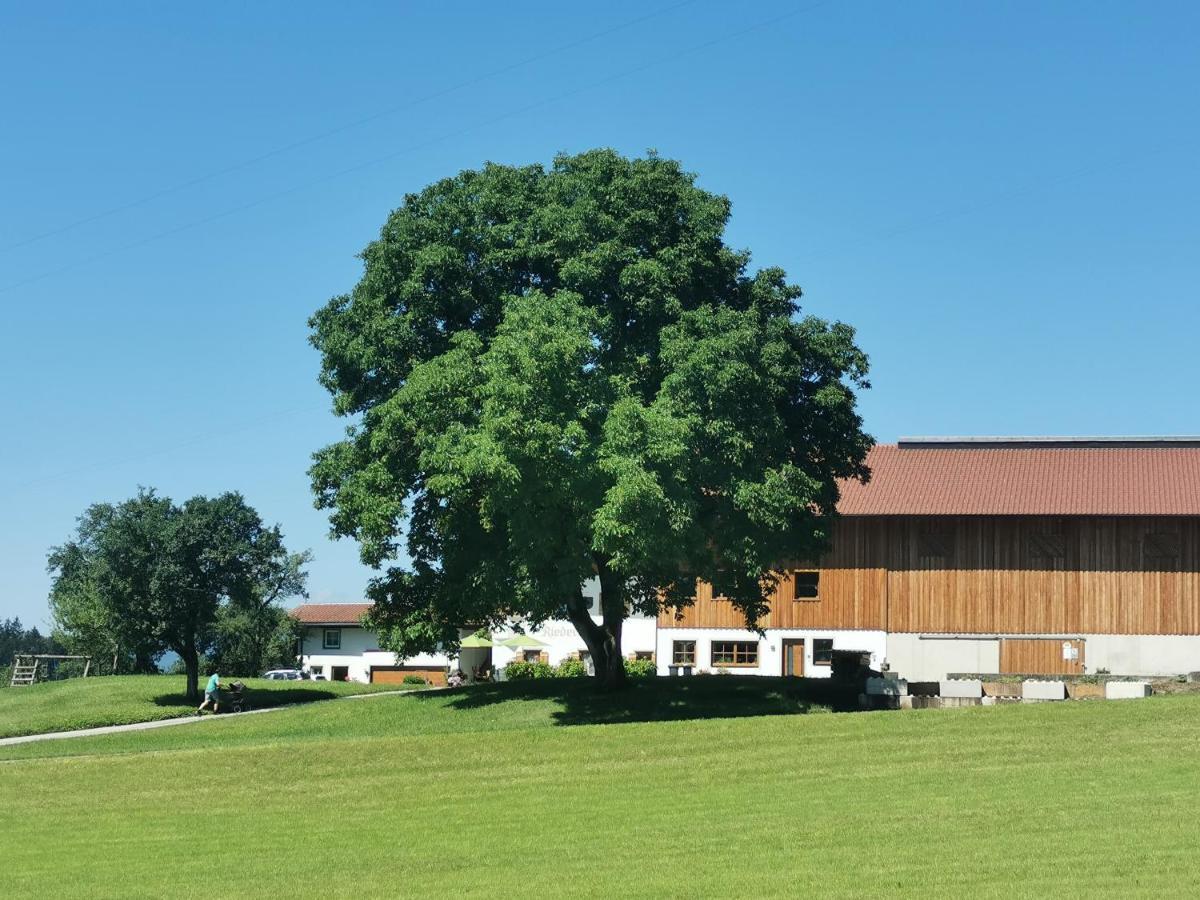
{"points": [[26, 666]]}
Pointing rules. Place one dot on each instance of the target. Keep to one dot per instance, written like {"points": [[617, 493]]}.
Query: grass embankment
{"points": [[122, 699], [478, 792], [474, 710]]}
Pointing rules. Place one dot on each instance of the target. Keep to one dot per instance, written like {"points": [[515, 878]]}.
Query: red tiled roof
{"points": [[330, 613], [1067, 477]]}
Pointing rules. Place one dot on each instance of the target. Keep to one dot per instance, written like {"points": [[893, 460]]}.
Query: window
{"points": [[683, 653], [332, 639], [735, 653], [644, 654], [316, 670], [823, 652], [805, 585], [532, 656]]}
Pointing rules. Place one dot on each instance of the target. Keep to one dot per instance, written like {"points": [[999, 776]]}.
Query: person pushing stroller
{"points": [[212, 694]]}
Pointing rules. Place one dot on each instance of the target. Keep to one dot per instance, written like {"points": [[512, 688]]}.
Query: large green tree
{"points": [[555, 374], [148, 575]]}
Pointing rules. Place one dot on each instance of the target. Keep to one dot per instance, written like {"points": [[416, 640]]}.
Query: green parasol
{"points": [[520, 641]]}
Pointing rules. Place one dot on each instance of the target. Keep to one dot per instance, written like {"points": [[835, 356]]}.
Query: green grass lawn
{"points": [[89, 702], [498, 791]]}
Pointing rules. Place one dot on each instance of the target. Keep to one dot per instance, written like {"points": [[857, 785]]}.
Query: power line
{"points": [[371, 163], [1022, 190], [357, 123], [550, 100], [348, 171], [171, 448]]}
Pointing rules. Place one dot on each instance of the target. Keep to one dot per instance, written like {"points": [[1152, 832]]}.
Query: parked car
{"points": [[283, 675]]}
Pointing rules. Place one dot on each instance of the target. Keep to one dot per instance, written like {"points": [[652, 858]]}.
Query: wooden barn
{"points": [[985, 555]]}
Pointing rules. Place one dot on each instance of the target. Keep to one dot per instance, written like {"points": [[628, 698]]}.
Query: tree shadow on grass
{"points": [[664, 699], [255, 699]]}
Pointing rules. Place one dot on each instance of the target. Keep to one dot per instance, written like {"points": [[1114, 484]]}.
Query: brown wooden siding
{"points": [[397, 674], [1039, 657], [1005, 575]]}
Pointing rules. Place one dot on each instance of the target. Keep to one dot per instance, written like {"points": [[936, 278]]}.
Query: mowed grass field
{"points": [[497, 791], [124, 699]]}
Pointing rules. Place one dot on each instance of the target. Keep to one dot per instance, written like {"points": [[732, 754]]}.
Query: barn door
{"points": [[1024, 656]]}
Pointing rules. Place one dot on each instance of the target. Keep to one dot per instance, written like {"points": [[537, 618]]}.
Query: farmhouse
{"points": [[984, 555], [961, 555], [335, 645]]}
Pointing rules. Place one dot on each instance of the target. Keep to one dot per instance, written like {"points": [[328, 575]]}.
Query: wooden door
{"points": [[793, 658], [1041, 657]]}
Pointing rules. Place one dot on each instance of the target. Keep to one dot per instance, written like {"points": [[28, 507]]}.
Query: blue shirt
{"points": [[213, 683]]}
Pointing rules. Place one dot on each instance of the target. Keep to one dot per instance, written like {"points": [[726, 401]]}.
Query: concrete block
{"points": [[1083, 690], [922, 688], [887, 687], [965, 688], [1009, 689], [906, 702], [1043, 690], [1126, 690]]}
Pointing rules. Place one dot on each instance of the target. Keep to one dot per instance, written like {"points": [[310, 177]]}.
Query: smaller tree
{"points": [[84, 622], [248, 643], [152, 576]]}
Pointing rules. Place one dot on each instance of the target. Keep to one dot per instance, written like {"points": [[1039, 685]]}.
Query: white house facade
{"points": [[336, 646], [740, 651]]}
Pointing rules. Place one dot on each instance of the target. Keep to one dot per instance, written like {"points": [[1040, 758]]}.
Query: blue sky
{"points": [[1001, 197]]}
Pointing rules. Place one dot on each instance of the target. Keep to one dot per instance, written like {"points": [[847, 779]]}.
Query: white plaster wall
{"points": [[359, 651], [770, 647], [1142, 654], [562, 640], [931, 660], [360, 647]]}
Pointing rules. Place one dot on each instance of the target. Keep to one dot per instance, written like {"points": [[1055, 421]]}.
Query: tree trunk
{"points": [[603, 640], [191, 662]]}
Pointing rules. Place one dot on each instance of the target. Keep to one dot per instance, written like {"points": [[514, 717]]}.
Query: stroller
{"points": [[237, 699]]}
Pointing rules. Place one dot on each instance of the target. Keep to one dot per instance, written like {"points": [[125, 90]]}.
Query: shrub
{"points": [[413, 679], [640, 668], [519, 670], [571, 668]]}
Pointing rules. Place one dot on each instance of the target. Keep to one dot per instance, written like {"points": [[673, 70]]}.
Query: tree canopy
{"points": [[147, 575], [15, 638], [559, 373]]}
